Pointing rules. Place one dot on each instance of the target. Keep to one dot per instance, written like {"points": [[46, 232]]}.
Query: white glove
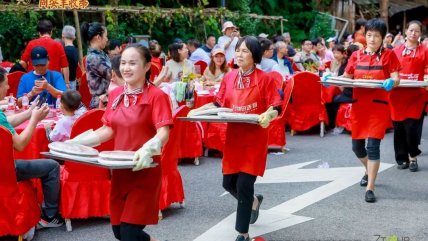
{"points": [[87, 138], [144, 155], [267, 116]]}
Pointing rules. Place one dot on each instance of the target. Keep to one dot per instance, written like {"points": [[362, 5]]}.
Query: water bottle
{"points": [[11, 103], [58, 105], [25, 102]]}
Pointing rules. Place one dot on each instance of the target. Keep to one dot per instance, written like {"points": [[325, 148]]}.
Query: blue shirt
{"points": [[28, 81], [5, 123]]}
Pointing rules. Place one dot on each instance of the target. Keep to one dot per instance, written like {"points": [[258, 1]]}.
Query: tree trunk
{"points": [[384, 11]]}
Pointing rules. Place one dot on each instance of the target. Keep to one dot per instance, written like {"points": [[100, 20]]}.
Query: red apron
{"points": [[246, 144], [409, 103], [134, 195], [370, 114]]}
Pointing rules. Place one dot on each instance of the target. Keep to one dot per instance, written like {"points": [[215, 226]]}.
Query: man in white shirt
{"points": [[229, 40], [196, 52]]}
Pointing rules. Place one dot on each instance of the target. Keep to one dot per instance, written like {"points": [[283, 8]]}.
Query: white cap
{"points": [[331, 39], [263, 35], [226, 25]]}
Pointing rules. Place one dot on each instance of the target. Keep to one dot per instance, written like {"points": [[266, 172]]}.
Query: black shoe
{"points": [[364, 181], [242, 238], [403, 165], [413, 166], [50, 222], [255, 213], [370, 197]]}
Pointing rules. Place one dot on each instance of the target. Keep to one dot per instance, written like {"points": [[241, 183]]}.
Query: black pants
{"points": [[406, 139], [130, 232], [241, 186], [372, 151]]}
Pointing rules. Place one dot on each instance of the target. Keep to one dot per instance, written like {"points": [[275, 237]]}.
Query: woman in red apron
{"points": [[370, 115], [407, 104], [246, 90], [138, 116]]}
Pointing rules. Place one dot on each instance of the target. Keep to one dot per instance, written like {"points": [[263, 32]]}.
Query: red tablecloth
{"points": [[38, 143]]}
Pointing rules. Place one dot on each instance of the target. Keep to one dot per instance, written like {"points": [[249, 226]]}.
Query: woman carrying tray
{"points": [[407, 104], [138, 116], [246, 90], [370, 115]]}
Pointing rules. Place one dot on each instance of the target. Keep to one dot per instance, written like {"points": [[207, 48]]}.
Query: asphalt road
{"points": [[334, 213]]}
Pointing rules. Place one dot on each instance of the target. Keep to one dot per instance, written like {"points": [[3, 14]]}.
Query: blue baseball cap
{"points": [[39, 56]]}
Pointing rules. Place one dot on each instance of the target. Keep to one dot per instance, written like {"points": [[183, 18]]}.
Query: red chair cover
{"points": [[328, 93], [13, 80], [85, 190], [79, 72], [202, 65], [343, 118], [154, 71], [84, 90], [277, 137], [214, 135], [18, 203], [189, 134], [172, 184], [306, 108]]}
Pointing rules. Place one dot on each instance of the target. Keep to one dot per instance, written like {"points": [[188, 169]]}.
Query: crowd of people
{"points": [[139, 105]]}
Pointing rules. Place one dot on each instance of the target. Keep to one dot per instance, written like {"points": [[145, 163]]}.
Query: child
{"points": [[70, 102]]}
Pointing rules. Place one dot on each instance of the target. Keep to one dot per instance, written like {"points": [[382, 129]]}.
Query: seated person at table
{"points": [[45, 169], [216, 70], [70, 103], [41, 81]]}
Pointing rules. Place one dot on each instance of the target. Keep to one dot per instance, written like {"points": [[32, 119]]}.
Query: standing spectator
{"points": [[98, 65], [58, 59], [267, 62], [228, 40], [197, 53], [287, 39], [209, 44], [68, 36], [284, 64], [155, 52], [306, 53], [359, 34], [387, 42], [41, 81]]}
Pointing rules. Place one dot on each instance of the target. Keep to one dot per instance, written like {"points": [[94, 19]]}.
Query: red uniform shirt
{"points": [[408, 103], [370, 115], [135, 195], [56, 52], [246, 144]]}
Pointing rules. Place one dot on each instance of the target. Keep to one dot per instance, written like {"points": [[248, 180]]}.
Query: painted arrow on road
{"points": [[281, 216]]}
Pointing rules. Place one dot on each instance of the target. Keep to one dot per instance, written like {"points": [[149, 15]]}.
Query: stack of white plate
{"points": [[73, 151], [238, 116], [116, 157], [213, 111]]}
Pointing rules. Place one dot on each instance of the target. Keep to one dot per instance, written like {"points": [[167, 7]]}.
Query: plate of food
{"points": [[72, 149]]}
